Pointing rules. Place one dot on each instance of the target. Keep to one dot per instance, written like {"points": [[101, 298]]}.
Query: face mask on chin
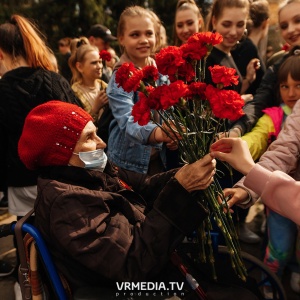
{"points": [[95, 159]]}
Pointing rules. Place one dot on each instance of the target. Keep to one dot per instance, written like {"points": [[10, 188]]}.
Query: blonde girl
{"points": [[86, 66], [137, 150]]}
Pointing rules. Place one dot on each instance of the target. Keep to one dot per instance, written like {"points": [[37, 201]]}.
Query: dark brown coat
{"points": [[100, 232]]}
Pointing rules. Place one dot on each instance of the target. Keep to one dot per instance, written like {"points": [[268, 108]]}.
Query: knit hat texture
{"points": [[50, 133]]}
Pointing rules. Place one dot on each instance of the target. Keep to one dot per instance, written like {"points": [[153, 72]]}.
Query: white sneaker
{"points": [[17, 289], [295, 282]]}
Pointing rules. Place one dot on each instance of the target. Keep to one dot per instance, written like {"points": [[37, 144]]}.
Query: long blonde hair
{"points": [[20, 37]]}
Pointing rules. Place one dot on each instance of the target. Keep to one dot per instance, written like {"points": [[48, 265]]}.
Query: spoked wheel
{"points": [[263, 275]]}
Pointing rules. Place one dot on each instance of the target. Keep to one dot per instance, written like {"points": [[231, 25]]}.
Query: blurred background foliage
{"points": [[73, 18]]}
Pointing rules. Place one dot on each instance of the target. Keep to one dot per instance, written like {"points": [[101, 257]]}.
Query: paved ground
{"points": [[255, 218]]}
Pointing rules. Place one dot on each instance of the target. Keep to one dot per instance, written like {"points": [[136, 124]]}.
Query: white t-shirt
{"points": [[21, 199]]}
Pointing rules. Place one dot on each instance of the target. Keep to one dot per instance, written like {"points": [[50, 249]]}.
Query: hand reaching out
{"points": [[234, 151], [235, 196]]}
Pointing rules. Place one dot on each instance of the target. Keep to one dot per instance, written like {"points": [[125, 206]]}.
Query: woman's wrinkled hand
{"points": [[198, 175]]}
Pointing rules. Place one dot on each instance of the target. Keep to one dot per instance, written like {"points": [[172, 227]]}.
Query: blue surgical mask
{"points": [[95, 159]]}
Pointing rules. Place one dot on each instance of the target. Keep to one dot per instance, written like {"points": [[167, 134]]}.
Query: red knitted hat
{"points": [[50, 133]]}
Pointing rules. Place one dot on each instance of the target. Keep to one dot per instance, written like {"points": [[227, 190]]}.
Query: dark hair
{"points": [[218, 7], [259, 12], [66, 41], [291, 66]]}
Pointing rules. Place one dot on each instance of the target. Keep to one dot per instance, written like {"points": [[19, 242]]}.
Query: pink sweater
{"points": [[278, 191]]}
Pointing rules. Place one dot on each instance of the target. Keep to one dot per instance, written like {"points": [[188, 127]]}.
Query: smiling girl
{"points": [[267, 95], [188, 20], [136, 150], [86, 66], [229, 18]]}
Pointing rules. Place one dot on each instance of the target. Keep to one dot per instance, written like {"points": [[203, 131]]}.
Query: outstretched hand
{"points": [[234, 151]]}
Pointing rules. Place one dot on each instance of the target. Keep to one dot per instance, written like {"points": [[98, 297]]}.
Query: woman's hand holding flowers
{"points": [[198, 175]]}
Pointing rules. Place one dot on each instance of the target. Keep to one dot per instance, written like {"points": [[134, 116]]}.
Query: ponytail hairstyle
{"points": [[186, 5], [132, 12], [80, 48], [219, 5], [20, 37], [258, 13]]}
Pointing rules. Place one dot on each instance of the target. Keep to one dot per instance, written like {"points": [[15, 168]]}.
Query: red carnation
{"points": [[200, 44], [150, 73], [223, 75], [168, 60], [194, 50], [172, 93], [186, 72], [154, 97], [209, 38], [124, 72], [141, 110], [133, 82], [196, 89], [225, 104], [105, 55]]}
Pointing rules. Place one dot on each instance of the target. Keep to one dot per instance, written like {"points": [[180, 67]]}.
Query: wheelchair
{"points": [[255, 267], [31, 286]]}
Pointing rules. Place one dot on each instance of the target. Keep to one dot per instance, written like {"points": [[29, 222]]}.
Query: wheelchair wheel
{"points": [[257, 269]]}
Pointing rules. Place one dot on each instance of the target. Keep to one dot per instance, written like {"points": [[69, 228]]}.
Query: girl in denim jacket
{"points": [[137, 151]]}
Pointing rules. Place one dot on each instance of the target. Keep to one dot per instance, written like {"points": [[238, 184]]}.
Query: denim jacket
{"points": [[128, 145]]}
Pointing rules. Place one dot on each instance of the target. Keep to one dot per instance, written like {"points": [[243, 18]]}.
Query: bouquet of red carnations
{"points": [[194, 111]]}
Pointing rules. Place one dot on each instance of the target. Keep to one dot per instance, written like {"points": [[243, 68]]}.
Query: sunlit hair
{"points": [[76, 42], [219, 5], [291, 66], [258, 13], [79, 55], [284, 3], [157, 26], [132, 12], [21, 38], [186, 5]]}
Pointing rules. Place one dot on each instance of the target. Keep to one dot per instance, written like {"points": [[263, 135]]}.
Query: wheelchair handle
{"points": [[6, 229]]}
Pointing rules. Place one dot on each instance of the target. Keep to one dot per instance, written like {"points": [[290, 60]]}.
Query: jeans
{"points": [[282, 234]]}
